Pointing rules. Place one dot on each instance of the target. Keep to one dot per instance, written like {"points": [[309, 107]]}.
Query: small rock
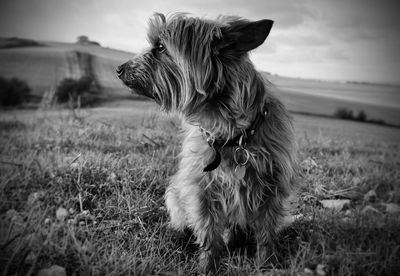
{"points": [[370, 196], [54, 270], [112, 177], [47, 221], [321, 269], [71, 210], [391, 208], [61, 213], [336, 204], [369, 210]]}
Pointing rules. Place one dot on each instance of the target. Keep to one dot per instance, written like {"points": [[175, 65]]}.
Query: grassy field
{"points": [[84, 190]]}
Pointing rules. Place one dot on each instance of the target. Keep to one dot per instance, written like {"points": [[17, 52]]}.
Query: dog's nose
{"points": [[120, 70]]}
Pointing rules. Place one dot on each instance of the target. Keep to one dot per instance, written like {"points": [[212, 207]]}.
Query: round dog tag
{"points": [[240, 171]]}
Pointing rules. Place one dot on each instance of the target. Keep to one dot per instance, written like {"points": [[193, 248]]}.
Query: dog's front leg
{"points": [[191, 204], [206, 220], [175, 207], [266, 225]]}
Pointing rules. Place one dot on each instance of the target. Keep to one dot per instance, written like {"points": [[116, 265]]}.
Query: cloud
{"points": [[286, 14], [311, 40], [334, 53], [358, 19]]}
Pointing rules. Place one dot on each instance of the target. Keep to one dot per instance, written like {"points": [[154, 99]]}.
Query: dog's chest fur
{"points": [[232, 197]]}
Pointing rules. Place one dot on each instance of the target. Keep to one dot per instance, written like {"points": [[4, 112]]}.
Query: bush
{"points": [[83, 90], [344, 113], [14, 42], [13, 91], [347, 114], [377, 121], [362, 117]]}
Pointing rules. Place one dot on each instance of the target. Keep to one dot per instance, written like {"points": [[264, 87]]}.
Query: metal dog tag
{"points": [[240, 171]]}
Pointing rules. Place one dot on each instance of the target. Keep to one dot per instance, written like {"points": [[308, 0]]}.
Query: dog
{"points": [[237, 164]]}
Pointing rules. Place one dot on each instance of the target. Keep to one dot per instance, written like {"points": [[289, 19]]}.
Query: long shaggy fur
{"points": [[205, 75]]}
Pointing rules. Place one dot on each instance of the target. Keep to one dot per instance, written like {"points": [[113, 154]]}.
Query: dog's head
{"points": [[192, 60]]}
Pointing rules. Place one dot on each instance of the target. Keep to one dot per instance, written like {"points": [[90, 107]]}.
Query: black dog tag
{"points": [[214, 163]]}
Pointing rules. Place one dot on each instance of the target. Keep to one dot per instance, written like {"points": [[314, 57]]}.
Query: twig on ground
{"points": [[105, 123], [80, 202], [76, 158], [11, 163], [151, 140]]}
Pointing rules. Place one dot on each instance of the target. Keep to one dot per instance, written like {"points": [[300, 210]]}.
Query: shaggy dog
{"points": [[237, 163]]}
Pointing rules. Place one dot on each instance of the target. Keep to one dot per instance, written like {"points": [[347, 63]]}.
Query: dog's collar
{"points": [[239, 140]]}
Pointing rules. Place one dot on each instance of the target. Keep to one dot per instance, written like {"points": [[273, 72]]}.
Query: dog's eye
{"points": [[160, 47]]}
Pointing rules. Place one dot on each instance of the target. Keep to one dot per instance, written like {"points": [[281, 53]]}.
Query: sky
{"points": [[340, 40]]}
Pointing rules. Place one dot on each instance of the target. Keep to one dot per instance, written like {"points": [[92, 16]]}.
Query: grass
{"points": [[109, 167]]}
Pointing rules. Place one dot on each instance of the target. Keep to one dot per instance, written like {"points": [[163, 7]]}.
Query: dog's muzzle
{"points": [[128, 73], [122, 70]]}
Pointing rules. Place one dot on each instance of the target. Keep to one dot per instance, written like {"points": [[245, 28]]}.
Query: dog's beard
{"points": [[161, 84], [142, 90], [139, 85]]}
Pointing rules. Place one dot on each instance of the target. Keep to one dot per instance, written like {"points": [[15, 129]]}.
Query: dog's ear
{"points": [[242, 36]]}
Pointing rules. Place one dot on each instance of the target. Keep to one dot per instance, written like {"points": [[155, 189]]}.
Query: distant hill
{"points": [[44, 64], [44, 67], [14, 42], [324, 97]]}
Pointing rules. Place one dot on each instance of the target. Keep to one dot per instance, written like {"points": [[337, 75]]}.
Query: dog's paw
{"points": [[178, 225], [208, 262]]}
